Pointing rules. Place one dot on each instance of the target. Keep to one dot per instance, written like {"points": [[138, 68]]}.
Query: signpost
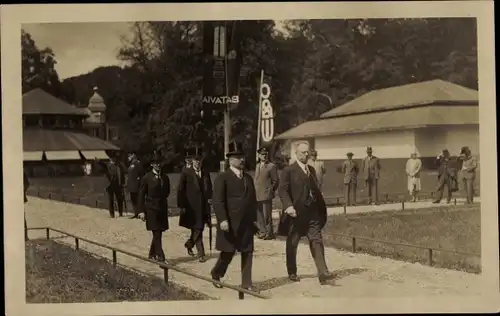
{"points": [[265, 125]]}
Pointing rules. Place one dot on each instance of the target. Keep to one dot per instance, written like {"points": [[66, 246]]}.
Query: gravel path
{"points": [[359, 274]]}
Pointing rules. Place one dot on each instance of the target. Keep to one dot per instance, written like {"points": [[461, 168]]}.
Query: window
{"points": [[31, 121]]}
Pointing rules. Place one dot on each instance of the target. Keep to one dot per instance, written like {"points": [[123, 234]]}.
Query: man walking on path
{"points": [[235, 208], [134, 176], [447, 176], [194, 193], [468, 173], [152, 200], [266, 183], [350, 170], [304, 213], [319, 166], [114, 189], [371, 172]]}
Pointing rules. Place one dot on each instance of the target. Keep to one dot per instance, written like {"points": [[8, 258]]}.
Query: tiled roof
{"points": [[433, 91], [38, 101], [416, 117], [52, 140]]}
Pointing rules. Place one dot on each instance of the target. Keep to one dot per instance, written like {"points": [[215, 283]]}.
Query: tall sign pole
{"points": [[259, 122]]}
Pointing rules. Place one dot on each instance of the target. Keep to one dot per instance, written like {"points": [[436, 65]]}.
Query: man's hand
{"points": [[210, 201], [290, 211], [224, 226]]}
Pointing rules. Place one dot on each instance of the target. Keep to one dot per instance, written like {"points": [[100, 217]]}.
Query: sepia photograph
{"points": [[246, 162]]}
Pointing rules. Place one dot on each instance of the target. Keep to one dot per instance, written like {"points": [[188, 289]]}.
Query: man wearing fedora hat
{"points": [[266, 182], [350, 170], [319, 167], [371, 172], [133, 179], [116, 180], [235, 207], [468, 173], [153, 193], [194, 192]]}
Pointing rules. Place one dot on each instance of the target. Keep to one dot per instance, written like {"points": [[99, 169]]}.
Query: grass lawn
{"points": [[458, 230], [56, 273]]}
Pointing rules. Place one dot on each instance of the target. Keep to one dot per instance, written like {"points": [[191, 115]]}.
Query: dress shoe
{"points": [[436, 201], [134, 216], [325, 277], [202, 259], [293, 278], [269, 237], [190, 252], [216, 278]]}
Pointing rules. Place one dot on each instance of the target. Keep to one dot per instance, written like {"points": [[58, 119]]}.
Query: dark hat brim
{"points": [[235, 153], [350, 154]]}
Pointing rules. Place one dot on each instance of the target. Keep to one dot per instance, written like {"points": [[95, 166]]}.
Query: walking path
{"points": [[358, 274]]}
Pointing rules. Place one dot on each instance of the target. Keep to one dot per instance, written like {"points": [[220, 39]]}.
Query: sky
{"points": [[79, 48]]}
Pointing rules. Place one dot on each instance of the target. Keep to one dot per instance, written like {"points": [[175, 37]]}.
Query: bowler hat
{"points": [[349, 154], [235, 149], [194, 153], [263, 150], [313, 152], [155, 157], [369, 148]]}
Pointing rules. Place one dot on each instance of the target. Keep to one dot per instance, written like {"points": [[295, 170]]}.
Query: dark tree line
{"points": [[313, 66]]}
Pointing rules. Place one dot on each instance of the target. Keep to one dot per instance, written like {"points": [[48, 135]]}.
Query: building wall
{"points": [[432, 141]]}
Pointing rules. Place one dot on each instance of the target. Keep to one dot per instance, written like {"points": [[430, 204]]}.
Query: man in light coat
{"points": [[468, 173], [266, 182]]}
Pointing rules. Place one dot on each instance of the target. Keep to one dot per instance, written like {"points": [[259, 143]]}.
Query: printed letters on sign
{"points": [[267, 126]]}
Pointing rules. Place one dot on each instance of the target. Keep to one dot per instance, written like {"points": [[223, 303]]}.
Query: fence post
{"points": [[114, 257], [345, 209], [455, 201], [386, 198], [50, 196], [96, 203], [77, 244], [165, 275], [403, 205], [47, 233], [338, 200], [241, 295], [429, 252], [353, 244]]}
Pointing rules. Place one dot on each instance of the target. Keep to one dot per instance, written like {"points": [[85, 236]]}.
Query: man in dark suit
{"points": [[304, 213], [152, 200], [446, 177], [350, 170], [266, 183], [235, 208], [194, 192], [114, 189], [26, 184], [134, 175], [371, 173]]}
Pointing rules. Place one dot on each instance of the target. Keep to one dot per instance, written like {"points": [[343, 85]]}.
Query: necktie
{"points": [[306, 169]]}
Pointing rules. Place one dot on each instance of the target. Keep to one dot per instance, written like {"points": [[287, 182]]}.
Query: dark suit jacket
{"points": [[234, 201], [294, 191], [193, 193], [350, 170], [371, 166], [152, 200], [114, 174], [134, 175], [266, 181]]}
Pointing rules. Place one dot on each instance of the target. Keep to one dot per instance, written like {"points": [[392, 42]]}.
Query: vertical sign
{"points": [[265, 124], [222, 62]]}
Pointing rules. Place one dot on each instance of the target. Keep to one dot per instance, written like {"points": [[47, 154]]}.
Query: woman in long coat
{"points": [[413, 167], [153, 193], [193, 195]]}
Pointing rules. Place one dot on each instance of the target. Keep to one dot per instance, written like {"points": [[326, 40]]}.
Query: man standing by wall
{"points": [[319, 167], [134, 176], [266, 183], [235, 208], [350, 170], [114, 189], [304, 213], [371, 173], [446, 177], [468, 173]]}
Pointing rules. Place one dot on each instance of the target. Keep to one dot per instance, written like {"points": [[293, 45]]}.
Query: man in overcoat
{"points": [[266, 182], [304, 213], [350, 170], [134, 175], [235, 207], [371, 173], [194, 194], [447, 176], [116, 180], [152, 200], [468, 173]]}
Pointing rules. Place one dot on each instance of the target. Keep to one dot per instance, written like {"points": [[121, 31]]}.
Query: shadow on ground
{"points": [[281, 281]]}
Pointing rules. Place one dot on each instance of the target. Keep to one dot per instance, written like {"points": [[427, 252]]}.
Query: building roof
{"points": [[53, 140], [37, 102], [428, 92], [96, 102], [414, 117]]}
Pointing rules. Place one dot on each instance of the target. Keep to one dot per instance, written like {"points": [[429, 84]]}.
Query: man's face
{"points": [[349, 157], [188, 163], [314, 156], [196, 164], [156, 166], [413, 156], [302, 152], [263, 156], [237, 162], [369, 153]]}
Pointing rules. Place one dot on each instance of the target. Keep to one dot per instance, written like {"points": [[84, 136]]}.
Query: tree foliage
{"points": [[313, 66]]}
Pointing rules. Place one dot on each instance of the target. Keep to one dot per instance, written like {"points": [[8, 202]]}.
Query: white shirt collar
{"points": [[302, 166], [237, 172], [156, 173]]}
